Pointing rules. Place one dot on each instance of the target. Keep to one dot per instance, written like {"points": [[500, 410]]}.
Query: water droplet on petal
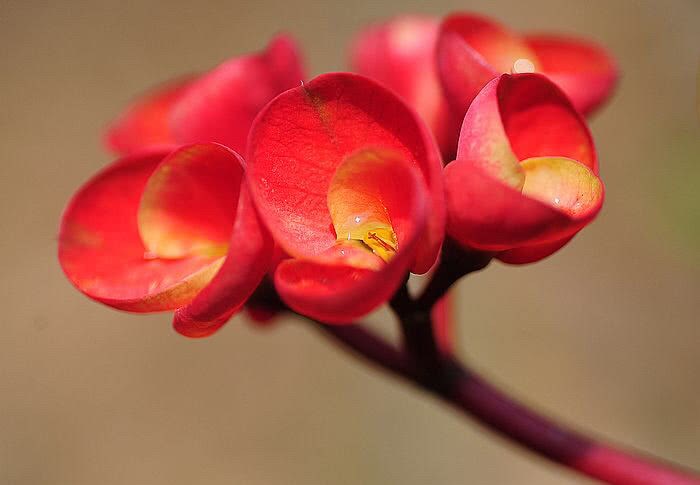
{"points": [[522, 66]]}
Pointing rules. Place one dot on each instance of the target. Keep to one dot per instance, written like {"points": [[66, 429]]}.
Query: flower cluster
{"points": [[337, 187]]}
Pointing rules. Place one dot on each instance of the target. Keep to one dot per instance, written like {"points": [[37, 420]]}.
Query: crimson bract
{"points": [[342, 192], [163, 231], [348, 180], [217, 106], [400, 54], [473, 49], [526, 175], [439, 67]]}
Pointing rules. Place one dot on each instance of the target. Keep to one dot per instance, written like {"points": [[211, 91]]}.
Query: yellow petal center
{"points": [[371, 228], [563, 183], [359, 215]]}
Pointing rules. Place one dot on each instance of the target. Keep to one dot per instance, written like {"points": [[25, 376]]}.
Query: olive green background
{"points": [[604, 335]]}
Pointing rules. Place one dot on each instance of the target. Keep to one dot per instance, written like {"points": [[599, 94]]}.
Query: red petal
{"points": [[483, 138], [494, 42], [540, 121], [300, 139], [582, 69], [525, 179], [144, 124], [377, 185], [335, 293], [471, 51], [221, 105], [101, 251], [189, 203], [340, 284], [400, 54], [248, 260], [523, 116], [487, 214]]}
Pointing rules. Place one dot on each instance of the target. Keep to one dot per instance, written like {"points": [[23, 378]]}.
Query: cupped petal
{"points": [[540, 121], [188, 206], [471, 51], [249, 258], [483, 138], [102, 254], [400, 54], [335, 294], [222, 104], [582, 69], [462, 71], [374, 193], [525, 179], [145, 123], [299, 140], [487, 214], [565, 184], [494, 42]]}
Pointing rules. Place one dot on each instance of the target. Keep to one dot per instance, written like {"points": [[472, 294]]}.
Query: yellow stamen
{"points": [[382, 242]]}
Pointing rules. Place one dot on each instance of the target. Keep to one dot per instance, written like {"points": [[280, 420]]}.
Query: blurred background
{"points": [[605, 335]]}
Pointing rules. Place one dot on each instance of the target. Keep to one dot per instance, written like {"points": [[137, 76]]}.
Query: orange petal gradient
{"points": [[516, 188], [189, 203], [332, 286], [302, 136], [487, 214], [101, 252]]}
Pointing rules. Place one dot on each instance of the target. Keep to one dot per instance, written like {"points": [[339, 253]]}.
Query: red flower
{"points": [[218, 106], [347, 179], [415, 55], [472, 50], [526, 175], [162, 231]]}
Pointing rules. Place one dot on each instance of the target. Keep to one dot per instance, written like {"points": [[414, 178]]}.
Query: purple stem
{"points": [[494, 409]]}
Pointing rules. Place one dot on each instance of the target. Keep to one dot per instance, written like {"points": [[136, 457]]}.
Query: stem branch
{"points": [[497, 411], [422, 364]]}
